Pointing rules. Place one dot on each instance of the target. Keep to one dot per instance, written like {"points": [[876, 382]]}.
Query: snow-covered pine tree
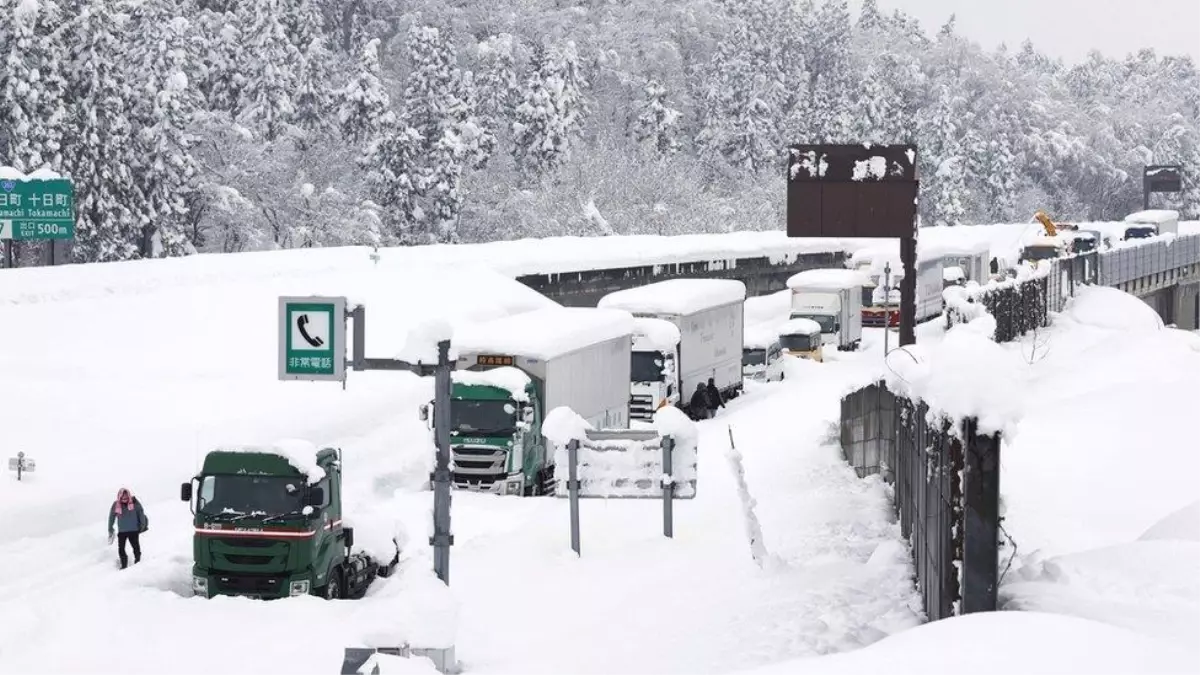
{"points": [[162, 114], [657, 126], [102, 156], [269, 62], [33, 112], [551, 111], [440, 103], [944, 188], [364, 101], [313, 98], [222, 79], [499, 88], [739, 118], [392, 169]]}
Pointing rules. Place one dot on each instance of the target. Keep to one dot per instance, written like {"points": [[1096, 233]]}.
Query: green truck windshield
{"points": [[493, 418], [247, 495]]}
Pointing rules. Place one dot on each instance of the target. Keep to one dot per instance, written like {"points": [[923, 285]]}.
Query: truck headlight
{"points": [[200, 585], [298, 588], [513, 487]]}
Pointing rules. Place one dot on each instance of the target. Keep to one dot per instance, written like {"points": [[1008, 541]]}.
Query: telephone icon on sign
{"points": [[301, 323]]}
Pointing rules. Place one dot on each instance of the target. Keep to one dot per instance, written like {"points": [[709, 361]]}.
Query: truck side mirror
{"points": [[316, 497], [185, 492], [348, 536], [424, 412], [527, 415]]}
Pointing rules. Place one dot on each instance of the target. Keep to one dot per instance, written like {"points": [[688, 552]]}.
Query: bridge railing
{"points": [[1128, 263], [946, 480]]}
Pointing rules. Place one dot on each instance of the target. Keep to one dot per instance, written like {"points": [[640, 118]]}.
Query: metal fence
{"points": [[946, 479], [1020, 307]]}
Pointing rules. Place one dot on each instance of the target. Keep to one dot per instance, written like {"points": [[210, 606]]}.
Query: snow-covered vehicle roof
{"points": [[828, 279], [760, 336], [544, 333], [799, 327], [514, 380], [656, 334], [676, 296]]}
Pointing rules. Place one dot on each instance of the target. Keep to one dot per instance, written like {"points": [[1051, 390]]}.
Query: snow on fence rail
{"points": [[946, 479]]}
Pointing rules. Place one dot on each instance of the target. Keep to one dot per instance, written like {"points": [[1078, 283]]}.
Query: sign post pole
{"points": [[573, 490], [668, 445], [312, 346], [859, 191]]}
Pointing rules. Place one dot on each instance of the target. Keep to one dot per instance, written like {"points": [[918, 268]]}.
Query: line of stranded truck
{"points": [[831, 298], [268, 524], [687, 331], [512, 371]]}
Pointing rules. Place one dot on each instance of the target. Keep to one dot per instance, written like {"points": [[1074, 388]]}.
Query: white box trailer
{"points": [[832, 298], [710, 316], [512, 371]]}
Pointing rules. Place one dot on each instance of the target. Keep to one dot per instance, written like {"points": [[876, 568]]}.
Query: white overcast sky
{"points": [[1066, 28]]}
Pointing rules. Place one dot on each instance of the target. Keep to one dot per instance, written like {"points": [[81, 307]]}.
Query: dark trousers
{"points": [[132, 538]]}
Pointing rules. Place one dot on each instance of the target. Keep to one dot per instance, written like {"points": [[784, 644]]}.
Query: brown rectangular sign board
{"points": [[852, 191]]}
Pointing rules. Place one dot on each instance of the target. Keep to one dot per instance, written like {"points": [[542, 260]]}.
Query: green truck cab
{"points": [[268, 524], [495, 434]]}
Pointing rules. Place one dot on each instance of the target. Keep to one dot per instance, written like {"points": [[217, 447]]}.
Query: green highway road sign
{"points": [[312, 338], [34, 208]]}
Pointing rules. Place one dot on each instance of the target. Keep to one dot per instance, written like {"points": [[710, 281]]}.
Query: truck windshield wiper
{"points": [[229, 515], [487, 432], [281, 516]]}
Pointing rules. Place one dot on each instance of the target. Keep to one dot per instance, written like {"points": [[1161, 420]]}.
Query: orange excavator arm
{"points": [[1051, 230]]}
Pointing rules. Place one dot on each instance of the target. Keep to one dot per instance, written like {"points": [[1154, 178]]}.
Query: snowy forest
{"points": [[235, 125]]}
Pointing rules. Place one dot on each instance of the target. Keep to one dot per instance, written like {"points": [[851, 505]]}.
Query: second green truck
{"points": [[512, 371]]}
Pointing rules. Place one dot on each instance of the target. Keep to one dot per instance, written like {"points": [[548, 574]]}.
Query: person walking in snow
{"points": [[131, 521], [698, 405], [714, 398]]}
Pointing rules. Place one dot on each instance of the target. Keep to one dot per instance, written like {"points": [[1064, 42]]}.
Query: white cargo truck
{"points": [[654, 372], [512, 371], [710, 317], [833, 299], [762, 353]]}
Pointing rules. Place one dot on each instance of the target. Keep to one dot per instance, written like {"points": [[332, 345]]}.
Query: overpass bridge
{"points": [[1162, 271]]}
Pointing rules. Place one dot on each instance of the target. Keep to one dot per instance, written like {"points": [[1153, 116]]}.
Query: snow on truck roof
{"points": [[544, 333], [799, 327], [658, 334], [828, 278], [760, 335], [513, 379], [676, 296], [1156, 216]]}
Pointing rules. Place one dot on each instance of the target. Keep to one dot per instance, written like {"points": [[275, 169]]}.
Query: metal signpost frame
{"points": [[312, 346], [36, 209], [21, 464], [1160, 178], [859, 191], [667, 482]]}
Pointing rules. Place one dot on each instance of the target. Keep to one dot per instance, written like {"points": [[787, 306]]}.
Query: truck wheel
{"points": [[333, 590]]}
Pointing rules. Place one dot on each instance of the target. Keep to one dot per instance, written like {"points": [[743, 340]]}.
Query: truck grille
{"points": [[250, 584], [478, 466], [235, 554], [641, 408]]}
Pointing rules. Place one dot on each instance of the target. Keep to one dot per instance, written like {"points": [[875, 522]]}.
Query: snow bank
{"points": [[512, 379], [1151, 587], [421, 346], [564, 425], [799, 327], [545, 333], [966, 375], [1107, 399], [655, 335], [298, 452], [1111, 309], [1183, 525], [671, 421], [676, 296], [415, 608], [827, 279], [1032, 642]]}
